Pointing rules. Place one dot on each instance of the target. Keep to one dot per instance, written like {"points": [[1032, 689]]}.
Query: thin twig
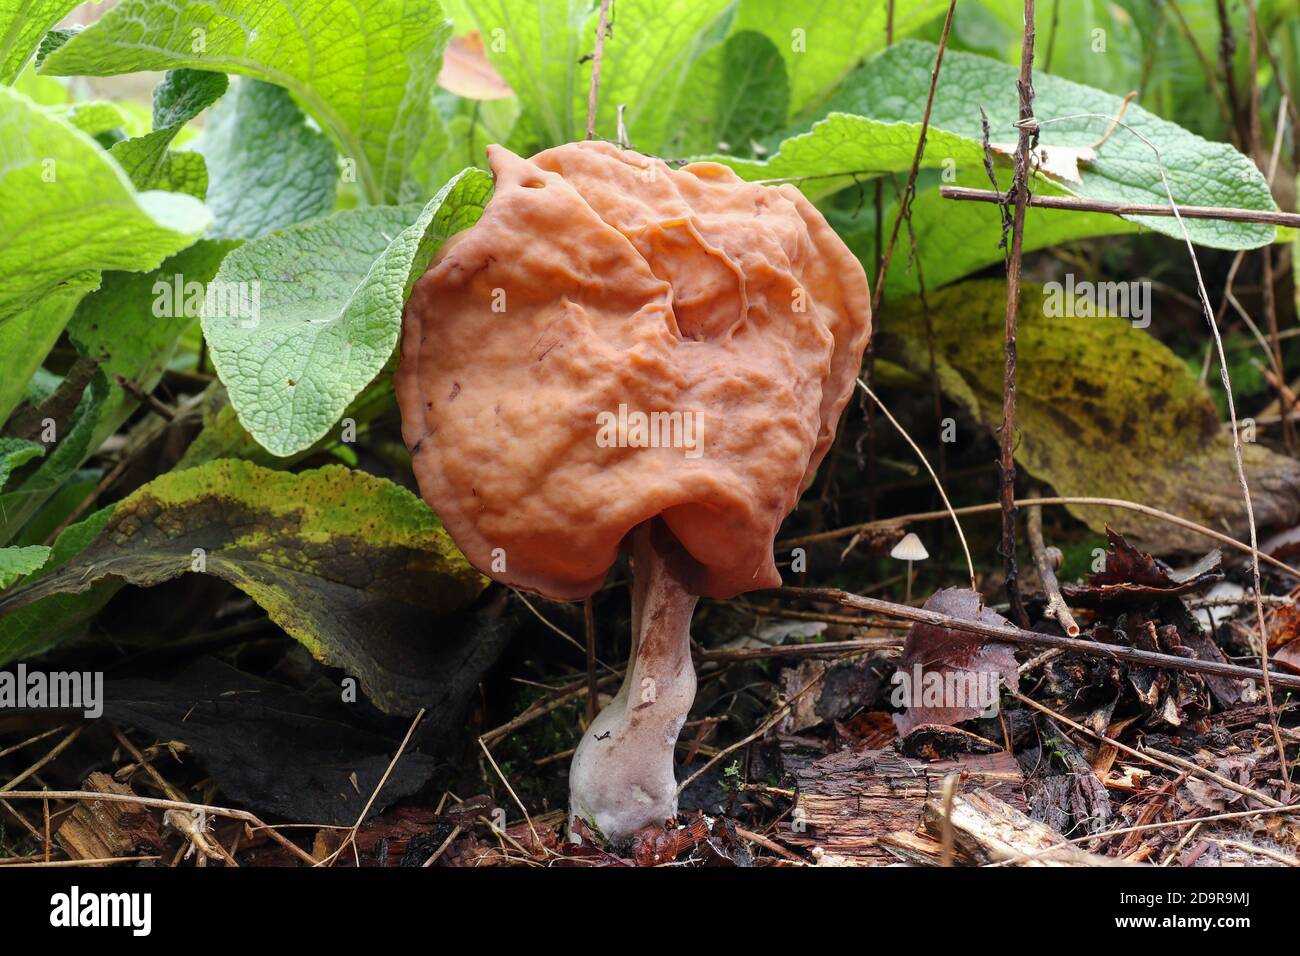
{"points": [[1116, 208], [511, 790], [1017, 635], [909, 191], [593, 92], [352, 833], [1019, 193], [1056, 607], [57, 749], [157, 803]]}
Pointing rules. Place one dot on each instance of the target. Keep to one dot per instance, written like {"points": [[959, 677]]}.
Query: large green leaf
{"points": [[149, 160], [73, 443], [329, 299], [266, 167], [822, 40], [735, 94], [535, 46], [893, 87], [538, 47], [1103, 410], [40, 626], [351, 565], [22, 24], [646, 61], [844, 147], [131, 325], [20, 562], [67, 211], [365, 70], [14, 453], [955, 239]]}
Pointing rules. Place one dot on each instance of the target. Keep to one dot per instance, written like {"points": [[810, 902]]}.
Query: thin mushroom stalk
{"points": [[622, 773]]}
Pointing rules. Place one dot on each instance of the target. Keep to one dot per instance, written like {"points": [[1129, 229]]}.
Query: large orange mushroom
{"points": [[619, 352]]}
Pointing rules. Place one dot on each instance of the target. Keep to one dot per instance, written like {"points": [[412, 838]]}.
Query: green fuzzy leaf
{"points": [[535, 46], [73, 444], [366, 72], [149, 159], [66, 212], [823, 39], [1103, 409], [893, 88], [267, 168], [16, 563], [14, 453], [131, 325], [22, 25], [327, 299], [646, 62], [34, 629], [351, 565], [736, 94], [826, 158], [538, 46], [92, 117]]}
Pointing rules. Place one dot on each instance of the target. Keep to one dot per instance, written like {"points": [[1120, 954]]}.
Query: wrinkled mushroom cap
{"points": [[599, 278]]}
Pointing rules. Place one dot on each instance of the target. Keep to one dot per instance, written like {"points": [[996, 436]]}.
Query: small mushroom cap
{"points": [[599, 283], [909, 548]]}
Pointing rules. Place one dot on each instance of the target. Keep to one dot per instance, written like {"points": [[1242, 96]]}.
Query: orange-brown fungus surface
{"points": [[600, 286]]}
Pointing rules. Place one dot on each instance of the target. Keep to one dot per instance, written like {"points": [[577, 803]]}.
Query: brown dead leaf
{"points": [[947, 676]]}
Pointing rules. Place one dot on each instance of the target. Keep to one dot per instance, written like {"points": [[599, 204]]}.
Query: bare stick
{"points": [[1047, 574], [824, 649], [593, 92], [1028, 129], [157, 803], [909, 191], [904, 520], [58, 748], [1080, 204], [1016, 635]]}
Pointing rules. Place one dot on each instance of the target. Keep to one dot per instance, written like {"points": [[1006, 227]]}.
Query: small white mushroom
{"points": [[909, 549]]}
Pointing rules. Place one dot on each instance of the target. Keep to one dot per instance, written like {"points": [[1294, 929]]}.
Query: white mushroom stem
{"points": [[621, 778]]}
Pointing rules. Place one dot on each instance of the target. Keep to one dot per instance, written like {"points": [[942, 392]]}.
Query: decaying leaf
{"points": [[947, 675], [1133, 576], [1103, 409], [267, 746], [1059, 161], [351, 565]]}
